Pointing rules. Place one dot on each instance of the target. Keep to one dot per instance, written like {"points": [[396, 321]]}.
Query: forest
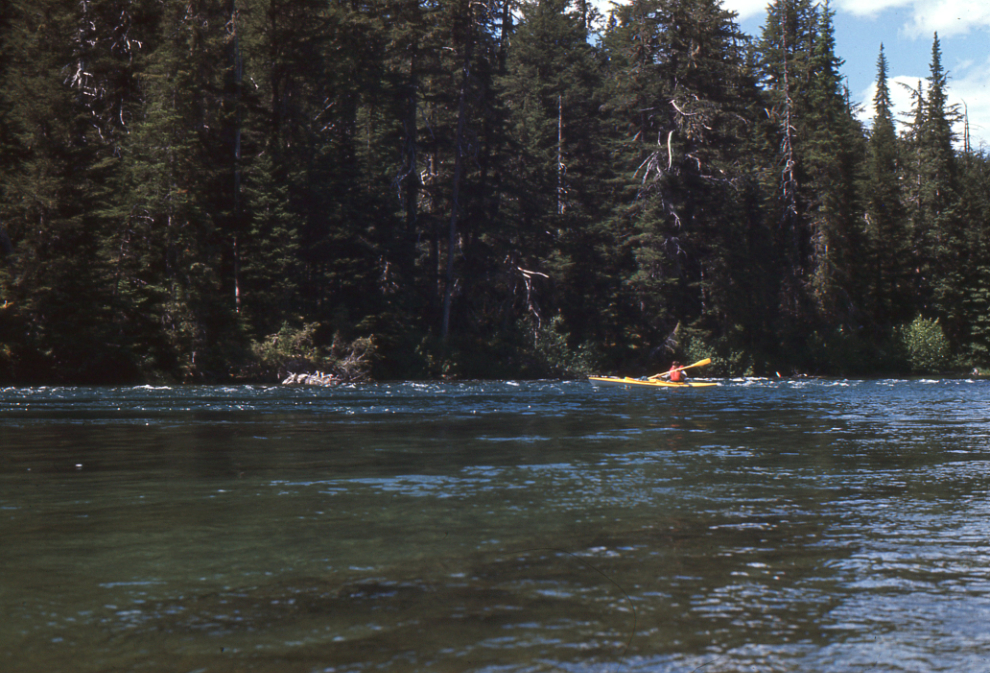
{"points": [[230, 190]]}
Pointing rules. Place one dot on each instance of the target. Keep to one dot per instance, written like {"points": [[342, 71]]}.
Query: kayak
{"points": [[626, 381]]}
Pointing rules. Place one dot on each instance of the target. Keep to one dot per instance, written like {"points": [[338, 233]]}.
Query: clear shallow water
{"points": [[757, 526]]}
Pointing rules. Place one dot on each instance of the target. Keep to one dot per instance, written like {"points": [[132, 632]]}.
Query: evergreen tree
{"points": [[181, 177], [833, 153], [937, 225], [54, 284], [682, 96], [889, 256], [270, 263], [461, 165], [170, 251], [353, 243], [281, 49], [975, 212], [820, 151], [781, 60], [553, 187]]}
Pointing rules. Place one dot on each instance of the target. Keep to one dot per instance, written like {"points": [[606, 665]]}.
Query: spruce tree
{"points": [[56, 288], [821, 148], [832, 149], [178, 168], [938, 228], [975, 213], [889, 249], [682, 97], [553, 187], [781, 58]]}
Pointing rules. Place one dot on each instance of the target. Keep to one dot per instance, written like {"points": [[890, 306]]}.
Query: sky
{"points": [[906, 28]]}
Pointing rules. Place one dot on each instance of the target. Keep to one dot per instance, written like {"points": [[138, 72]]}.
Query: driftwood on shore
{"points": [[350, 364], [312, 379]]}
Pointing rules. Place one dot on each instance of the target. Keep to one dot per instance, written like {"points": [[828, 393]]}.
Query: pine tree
{"points": [[353, 244], [279, 49], [270, 263], [461, 55]]}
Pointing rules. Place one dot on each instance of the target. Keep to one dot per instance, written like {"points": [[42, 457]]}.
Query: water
{"points": [[757, 526]]}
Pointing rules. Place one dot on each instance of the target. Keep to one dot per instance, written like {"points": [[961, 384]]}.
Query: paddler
{"points": [[676, 373]]}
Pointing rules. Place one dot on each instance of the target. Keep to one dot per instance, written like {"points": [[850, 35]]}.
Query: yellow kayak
{"points": [[627, 381]]}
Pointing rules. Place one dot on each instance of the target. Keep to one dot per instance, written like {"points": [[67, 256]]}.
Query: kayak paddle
{"points": [[699, 363]]}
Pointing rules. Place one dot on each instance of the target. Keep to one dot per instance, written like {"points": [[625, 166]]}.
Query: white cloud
{"points": [[971, 93], [873, 7], [970, 87], [948, 17], [747, 9], [924, 17]]}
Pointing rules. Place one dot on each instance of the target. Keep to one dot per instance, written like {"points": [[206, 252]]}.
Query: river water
{"points": [[538, 526]]}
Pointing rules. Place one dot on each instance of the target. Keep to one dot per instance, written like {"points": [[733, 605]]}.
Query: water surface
{"points": [[756, 526]]}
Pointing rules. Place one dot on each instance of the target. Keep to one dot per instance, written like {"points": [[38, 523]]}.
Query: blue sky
{"points": [[906, 28]]}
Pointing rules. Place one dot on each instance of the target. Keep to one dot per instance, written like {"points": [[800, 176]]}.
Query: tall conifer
{"points": [[938, 227], [681, 100], [889, 254], [821, 148], [553, 188], [55, 284]]}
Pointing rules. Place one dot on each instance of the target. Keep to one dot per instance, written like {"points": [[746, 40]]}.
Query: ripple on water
{"points": [[763, 525]]}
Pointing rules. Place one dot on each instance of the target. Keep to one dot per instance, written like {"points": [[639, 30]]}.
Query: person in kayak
{"points": [[676, 374]]}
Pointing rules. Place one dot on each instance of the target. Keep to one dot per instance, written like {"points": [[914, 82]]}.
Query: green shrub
{"points": [[725, 360], [556, 356], [925, 346]]}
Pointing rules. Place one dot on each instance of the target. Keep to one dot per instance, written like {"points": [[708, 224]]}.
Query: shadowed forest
{"points": [[217, 190]]}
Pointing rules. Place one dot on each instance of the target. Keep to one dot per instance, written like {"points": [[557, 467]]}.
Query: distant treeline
{"points": [[205, 190]]}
